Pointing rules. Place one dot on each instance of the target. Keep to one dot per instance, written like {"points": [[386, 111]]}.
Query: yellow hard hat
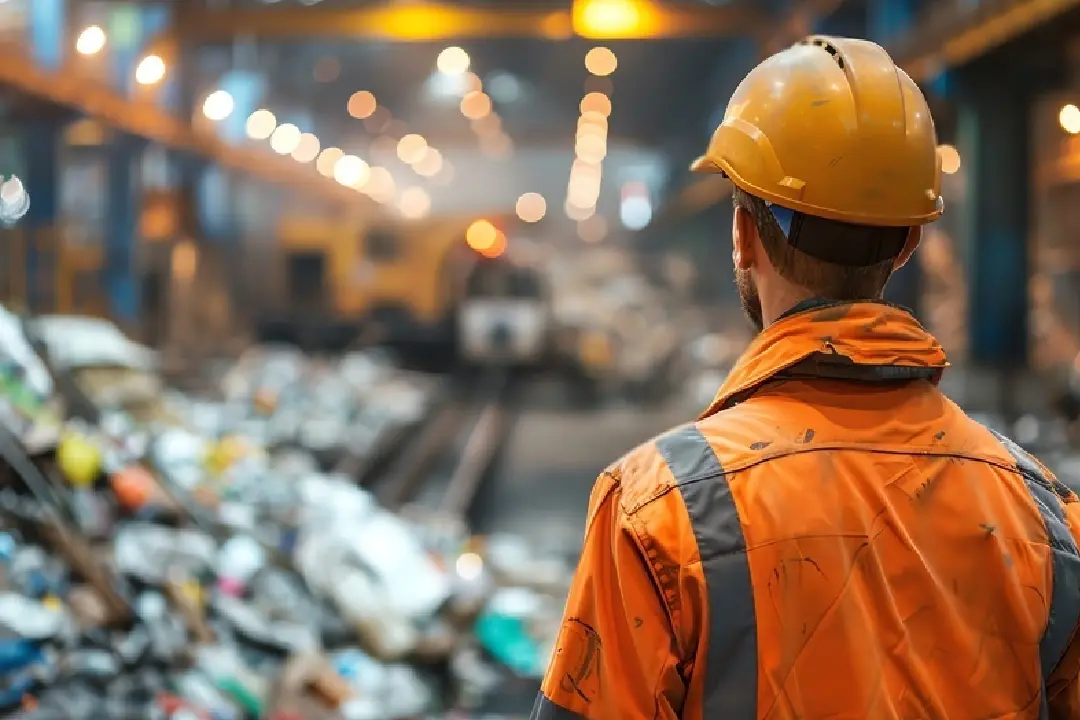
{"points": [[833, 128]]}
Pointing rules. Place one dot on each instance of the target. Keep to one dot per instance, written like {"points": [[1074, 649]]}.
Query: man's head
{"points": [[767, 261], [833, 153]]}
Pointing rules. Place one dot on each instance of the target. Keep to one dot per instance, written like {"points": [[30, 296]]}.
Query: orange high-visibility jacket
{"points": [[833, 538]]}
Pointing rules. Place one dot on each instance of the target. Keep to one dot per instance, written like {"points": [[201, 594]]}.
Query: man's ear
{"points": [[910, 246], [743, 237]]}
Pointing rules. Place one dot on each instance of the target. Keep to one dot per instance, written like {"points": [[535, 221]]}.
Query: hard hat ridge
{"points": [[832, 128]]}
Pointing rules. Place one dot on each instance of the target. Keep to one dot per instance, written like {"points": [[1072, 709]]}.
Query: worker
{"points": [[833, 537]]}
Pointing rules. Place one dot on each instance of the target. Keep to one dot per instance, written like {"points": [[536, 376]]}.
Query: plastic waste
{"points": [[150, 552], [79, 459], [29, 619]]}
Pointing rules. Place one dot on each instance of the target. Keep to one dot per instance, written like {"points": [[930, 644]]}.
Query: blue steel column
{"points": [[41, 147], [993, 142], [48, 32], [121, 245], [888, 20]]}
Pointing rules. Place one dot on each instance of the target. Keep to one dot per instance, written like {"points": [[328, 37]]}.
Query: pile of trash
{"points": [[333, 408], [207, 567], [618, 327]]}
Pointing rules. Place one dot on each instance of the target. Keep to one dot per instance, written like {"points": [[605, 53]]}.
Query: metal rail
{"points": [[466, 435]]}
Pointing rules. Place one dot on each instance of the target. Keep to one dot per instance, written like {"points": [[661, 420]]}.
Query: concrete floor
{"points": [[541, 485]]}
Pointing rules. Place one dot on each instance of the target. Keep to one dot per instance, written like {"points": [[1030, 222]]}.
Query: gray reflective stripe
{"points": [[544, 709], [1065, 596], [730, 680]]}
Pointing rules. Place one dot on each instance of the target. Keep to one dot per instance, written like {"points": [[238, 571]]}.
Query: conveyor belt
{"points": [[444, 469]]}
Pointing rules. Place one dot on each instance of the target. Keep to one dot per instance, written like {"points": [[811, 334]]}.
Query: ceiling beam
{"points": [[141, 118], [436, 21], [954, 34]]}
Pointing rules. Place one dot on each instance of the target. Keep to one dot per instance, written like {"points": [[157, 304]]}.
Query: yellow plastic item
{"points": [[79, 460], [51, 602], [224, 453], [192, 590], [833, 128]]}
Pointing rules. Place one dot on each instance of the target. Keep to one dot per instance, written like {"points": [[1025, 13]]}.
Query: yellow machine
{"points": [[395, 283]]}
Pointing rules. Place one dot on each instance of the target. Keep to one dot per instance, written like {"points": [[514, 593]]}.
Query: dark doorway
{"points": [[154, 315], [306, 282]]}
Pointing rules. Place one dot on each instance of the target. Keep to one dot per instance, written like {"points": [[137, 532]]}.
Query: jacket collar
{"points": [[870, 341]]}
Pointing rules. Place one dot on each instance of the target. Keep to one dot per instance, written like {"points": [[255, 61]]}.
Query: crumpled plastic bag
{"points": [[150, 552]]}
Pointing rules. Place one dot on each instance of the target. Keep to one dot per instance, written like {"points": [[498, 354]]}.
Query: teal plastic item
{"points": [[507, 640]]}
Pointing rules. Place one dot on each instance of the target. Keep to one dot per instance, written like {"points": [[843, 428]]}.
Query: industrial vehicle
{"points": [[504, 315], [421, 287], [387, 283]]}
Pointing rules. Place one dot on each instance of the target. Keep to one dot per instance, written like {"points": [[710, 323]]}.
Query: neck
{"points": [[780, 302]]}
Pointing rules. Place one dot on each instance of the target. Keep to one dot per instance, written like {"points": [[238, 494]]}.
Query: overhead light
{"points": [[351, 171], [481, 235], [150, 70], [430, 164], [601, 61], [635, 212], [453, 61], [475, 105], [307, 149], [497, 248], [531, 207], [218, 105], [261, 124], [411, 148], [91, 41], [285, 139], [950, 159], [577, 212], [609, 18], [362, 105], [596, 102], [327, 160], [1069, 118]]}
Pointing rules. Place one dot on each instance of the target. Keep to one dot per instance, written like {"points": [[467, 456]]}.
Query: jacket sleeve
{"points": [[1063, 689], [615, 656]]}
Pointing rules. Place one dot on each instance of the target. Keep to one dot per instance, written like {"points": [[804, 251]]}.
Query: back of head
{"points": [[831, 148]]}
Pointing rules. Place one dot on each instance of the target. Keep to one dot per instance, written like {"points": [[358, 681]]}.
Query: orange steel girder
{"points": [[143, 119]]}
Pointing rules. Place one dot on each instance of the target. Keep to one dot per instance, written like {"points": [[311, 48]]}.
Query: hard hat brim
{"points": [[705, 164]]}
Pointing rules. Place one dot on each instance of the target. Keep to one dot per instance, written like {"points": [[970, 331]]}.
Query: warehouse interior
{"points": [[321, 317]]}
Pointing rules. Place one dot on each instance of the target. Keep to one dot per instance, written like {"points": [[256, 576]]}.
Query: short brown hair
{"points": [[824, 279]]}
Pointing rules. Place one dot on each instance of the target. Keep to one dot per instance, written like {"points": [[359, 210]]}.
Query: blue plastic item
{"points": [[7, 547], [18, 654], [16, 689]]}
